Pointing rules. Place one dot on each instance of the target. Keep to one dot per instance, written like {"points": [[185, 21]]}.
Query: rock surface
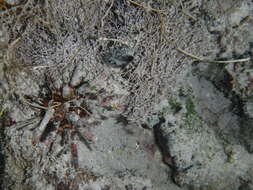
{"points": [[205, 130], [154, 120]]}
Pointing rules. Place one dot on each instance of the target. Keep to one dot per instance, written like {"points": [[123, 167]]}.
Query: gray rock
{"points": [[202, 121], [201, 138], [119, 56]]}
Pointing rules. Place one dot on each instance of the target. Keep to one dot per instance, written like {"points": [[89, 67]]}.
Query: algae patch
{"points": [[175, 105], [190, 107]]}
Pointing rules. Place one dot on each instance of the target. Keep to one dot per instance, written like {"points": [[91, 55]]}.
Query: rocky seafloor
{"points": [[107, 99]]}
